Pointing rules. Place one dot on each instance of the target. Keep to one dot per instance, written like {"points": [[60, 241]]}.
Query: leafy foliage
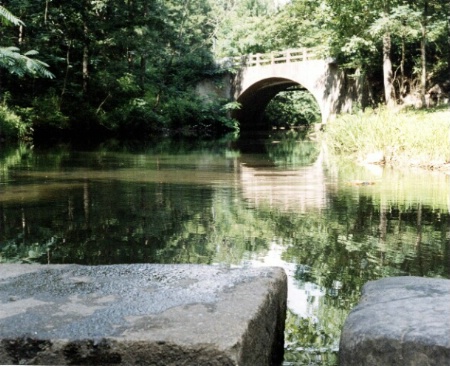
{"points": [[139, 61], [124, 68], [11, 58], [8, 18], [12, 126], [22, 64]]}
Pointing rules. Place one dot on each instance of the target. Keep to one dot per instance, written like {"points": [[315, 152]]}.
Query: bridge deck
{"points": [[278, 57]]}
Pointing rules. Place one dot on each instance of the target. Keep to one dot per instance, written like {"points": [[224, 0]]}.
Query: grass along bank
{"points": [[418, 138]]}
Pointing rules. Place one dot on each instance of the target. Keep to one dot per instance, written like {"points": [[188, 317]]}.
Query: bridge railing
{"points": [[277, 57]]}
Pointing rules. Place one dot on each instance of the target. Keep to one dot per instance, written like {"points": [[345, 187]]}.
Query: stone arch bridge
{"points": [[260, 77]]}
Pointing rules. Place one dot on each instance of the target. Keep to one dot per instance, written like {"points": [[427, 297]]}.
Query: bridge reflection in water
{"points": [[300, 189]]}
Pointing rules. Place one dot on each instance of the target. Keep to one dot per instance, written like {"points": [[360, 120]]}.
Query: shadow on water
{"points": [[271, 200]]}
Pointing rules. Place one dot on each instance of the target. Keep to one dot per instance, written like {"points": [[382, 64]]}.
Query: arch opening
{"points": [[255, 99], [293, 108]]}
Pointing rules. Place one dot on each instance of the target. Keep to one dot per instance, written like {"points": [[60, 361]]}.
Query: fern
{"points": [[15, 62], [7, 18], [21, 64]]}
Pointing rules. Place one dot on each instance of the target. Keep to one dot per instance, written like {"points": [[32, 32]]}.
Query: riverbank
{"points": [[397, 138]]}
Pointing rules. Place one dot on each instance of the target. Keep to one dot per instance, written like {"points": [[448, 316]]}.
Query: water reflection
{"points": [[299, 189], [276, 201]]}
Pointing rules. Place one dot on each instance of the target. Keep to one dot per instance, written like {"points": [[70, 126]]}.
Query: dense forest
{"points": [[129, 68]]}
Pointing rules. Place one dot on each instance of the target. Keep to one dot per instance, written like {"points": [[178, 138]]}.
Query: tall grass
{"points": [[417, 138]]}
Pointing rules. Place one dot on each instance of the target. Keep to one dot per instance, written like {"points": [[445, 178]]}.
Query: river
{"points": [[260, 201]]}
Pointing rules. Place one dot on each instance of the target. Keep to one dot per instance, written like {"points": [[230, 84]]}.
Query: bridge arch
{"points": [[256, 97], [261, 77]]}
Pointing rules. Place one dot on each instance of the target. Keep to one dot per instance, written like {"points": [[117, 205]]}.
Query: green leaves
{"points": [[22, 64], [15, 62], [8, 18], [293, 108]]}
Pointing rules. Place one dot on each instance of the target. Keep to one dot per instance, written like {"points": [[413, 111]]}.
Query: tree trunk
{"points": [[46, 11], [423, 62], [20, 34], [66, 74], [387, 71], [387, 63], [143, 72], [423, 56], [143, 65], [402, 88], [85, 61], [85, 69], [130, 34], [448, 36]]}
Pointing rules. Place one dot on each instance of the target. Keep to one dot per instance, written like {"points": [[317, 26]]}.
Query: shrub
{"points": [[46, 112], [187, 113], [12, 126], [135, 119]]}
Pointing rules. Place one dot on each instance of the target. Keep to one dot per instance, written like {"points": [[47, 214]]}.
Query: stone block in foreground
{"points": [[141, 314], [399, 321]]}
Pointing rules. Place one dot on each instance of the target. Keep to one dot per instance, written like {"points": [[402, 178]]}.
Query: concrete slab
{"points": [[399, 321], [141, 314]]}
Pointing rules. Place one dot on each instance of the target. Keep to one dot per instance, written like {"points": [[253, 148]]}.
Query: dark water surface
{"points": [[274, 201]]}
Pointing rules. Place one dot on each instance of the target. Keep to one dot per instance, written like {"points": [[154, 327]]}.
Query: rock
{"points": [[141, 314], [399, 321]]}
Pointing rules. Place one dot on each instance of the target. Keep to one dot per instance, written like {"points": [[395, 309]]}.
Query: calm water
{"points": [[273, 201]]}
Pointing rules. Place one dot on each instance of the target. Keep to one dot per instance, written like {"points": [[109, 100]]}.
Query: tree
{"points": [[127, 67], [300, 24], [243, 26], [400, 22], [362, 31]]}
